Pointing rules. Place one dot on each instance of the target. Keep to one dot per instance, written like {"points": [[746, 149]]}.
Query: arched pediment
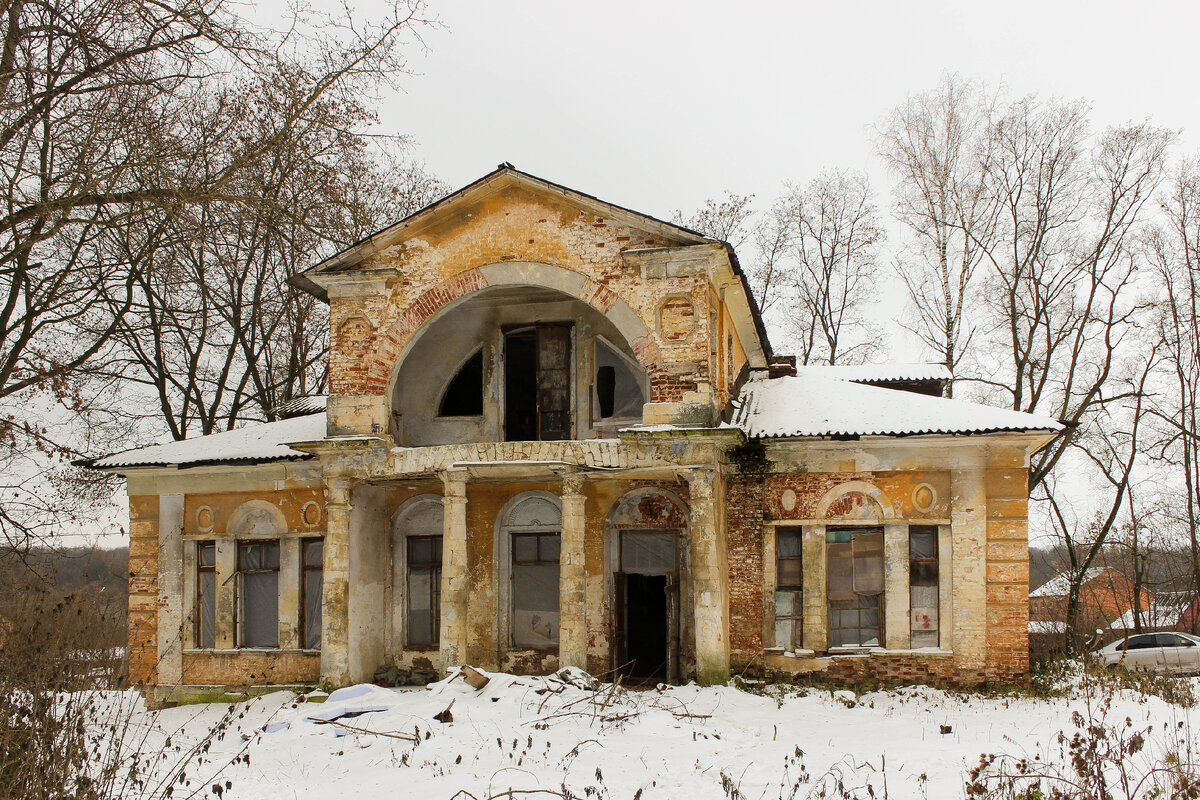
{"points": [[257, 518], [857, 501]]}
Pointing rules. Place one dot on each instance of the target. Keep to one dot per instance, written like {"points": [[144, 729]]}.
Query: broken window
{"points": [[789, 595], [464, 394], [258, 594], [424, 590], [854, 586], [537, 383], [535, 589], [311, 585], [206, 594], [617, 385], [923, 585]]}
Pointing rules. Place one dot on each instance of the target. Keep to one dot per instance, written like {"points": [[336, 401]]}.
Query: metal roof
{"points": [[812, 405]]}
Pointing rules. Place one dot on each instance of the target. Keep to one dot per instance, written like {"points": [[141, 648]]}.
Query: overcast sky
{"points": [[659, 105]]}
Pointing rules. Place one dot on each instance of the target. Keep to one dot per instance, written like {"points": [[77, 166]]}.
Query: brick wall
{"points": [[1007, 574], [744, 518]]}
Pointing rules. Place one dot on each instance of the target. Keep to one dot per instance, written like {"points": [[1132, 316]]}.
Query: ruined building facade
{"points": [[556, 435]]}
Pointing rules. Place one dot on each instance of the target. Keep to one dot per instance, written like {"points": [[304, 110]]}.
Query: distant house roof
{"points": [[1047, 626], [1060, 585], [310, 404], [878, 373], [812, 404], [1164, 611], [253, 444]]}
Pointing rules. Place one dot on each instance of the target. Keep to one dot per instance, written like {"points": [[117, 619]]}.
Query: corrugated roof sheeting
{"points": [[811, 405], [253, 444], [878, 373]]}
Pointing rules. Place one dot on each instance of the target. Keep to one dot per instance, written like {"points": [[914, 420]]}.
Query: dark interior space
{"points": [[520, 386], [646, 626]]}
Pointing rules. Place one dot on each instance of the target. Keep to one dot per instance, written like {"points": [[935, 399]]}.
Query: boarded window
{"points": [[206, 594], [258, 594], [464, 394], [923, 585], [424, 590], [618, 387], [854, 586], [535, 589], [646, 553], [789, 596], [311, 586]]}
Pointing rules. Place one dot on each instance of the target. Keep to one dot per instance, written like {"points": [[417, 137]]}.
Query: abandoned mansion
{"points": [[555, 435]]}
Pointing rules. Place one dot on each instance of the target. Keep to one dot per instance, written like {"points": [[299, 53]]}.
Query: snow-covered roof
{"points": [[252, 444], [1060, 585], [1164, 611], [1047, 626], [878, 373], [814, 405]]}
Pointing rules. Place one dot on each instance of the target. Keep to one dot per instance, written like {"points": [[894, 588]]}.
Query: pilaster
{"points": [[335, 592], [708, 595], [454, 569], [572, 641]]}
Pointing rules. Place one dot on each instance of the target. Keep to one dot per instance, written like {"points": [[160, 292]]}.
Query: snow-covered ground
{"points": [[675, 742]]}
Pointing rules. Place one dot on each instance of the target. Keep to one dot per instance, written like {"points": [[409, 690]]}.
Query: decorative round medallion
{"points": [[788, 500], [924, 496], [204, 519], [310, 514]]}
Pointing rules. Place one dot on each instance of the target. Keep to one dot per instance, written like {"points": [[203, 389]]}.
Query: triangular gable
{"points": [[504, 177]]}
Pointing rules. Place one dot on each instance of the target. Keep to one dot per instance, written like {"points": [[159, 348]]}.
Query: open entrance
{"points": [[537, 383], [646, 590]]}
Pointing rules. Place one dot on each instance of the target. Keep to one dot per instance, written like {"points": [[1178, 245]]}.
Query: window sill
{"points": [[223, 650]]}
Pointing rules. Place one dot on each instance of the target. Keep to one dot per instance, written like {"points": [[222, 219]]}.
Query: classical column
{"points": [[454, 569], [335, 591], [170, 589], [897, 627], [708, 595], [816, 634], [572, 637]]}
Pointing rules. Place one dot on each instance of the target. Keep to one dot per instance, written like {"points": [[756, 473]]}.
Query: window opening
{"points": [[854, 586], [424, 590], [923, 585], [535, 589], [312, 569], [789, 594], [464, 394], [206, 595], [258, 594], [618, 388]]}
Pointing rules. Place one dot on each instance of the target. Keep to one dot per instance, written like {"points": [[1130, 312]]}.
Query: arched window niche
{"points": [[618, 384], [463, 395], [528, 542], [416, 542]]}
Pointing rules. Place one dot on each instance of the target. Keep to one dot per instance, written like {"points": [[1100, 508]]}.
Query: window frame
{"points": [[513, 563], [880, 604], [240, 607], [201, 569], [796, 589], [306, 568], [935, 532], [435, 591]]}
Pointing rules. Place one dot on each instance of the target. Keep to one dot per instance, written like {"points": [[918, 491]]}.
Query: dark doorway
{"points": [[646, 629], [520, 385], [537, 383]]}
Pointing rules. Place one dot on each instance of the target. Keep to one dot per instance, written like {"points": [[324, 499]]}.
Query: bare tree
{"points": [[97, 105], [835, 234], [1175, 254], [1063, 262], [937, 146]]}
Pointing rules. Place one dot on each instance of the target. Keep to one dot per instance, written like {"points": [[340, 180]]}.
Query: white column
{"points": [[170, 589], [708, 596], [289, 593], [572, 638], [454, 569], [335, 594], [968, 526], [816, 610]]}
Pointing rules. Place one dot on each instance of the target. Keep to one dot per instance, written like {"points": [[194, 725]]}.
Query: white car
{"points": [[1154, 652]]}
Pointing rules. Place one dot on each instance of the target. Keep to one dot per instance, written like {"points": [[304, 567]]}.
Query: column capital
{"points": [[454, 483], [700, 483], [572, 484], [337, 492]]}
